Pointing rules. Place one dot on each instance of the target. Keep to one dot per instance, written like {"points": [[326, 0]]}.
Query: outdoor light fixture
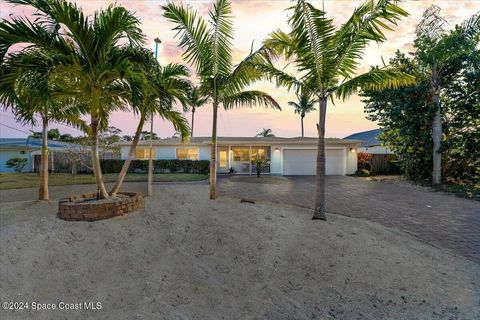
{"points": [[277, 150], [352, 150]]}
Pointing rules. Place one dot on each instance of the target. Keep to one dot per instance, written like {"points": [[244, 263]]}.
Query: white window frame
{"points": [[197, 148]]}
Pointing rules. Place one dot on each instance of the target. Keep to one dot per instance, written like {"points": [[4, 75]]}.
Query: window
{"points": [[241, 154], [187, 153], [144, 153], [262, 153]]}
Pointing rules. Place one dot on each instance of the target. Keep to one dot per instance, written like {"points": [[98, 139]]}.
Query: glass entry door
{"points": [[241, 159], [222, 166]]}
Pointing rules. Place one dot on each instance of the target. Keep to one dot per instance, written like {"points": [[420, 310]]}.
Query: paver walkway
{"points": [[437, 218]]}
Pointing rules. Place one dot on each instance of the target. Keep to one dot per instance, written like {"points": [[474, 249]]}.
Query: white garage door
{"points": [[304, 161]]}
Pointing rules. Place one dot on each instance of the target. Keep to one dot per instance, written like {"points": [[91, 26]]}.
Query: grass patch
{"points": [[30, 180]]}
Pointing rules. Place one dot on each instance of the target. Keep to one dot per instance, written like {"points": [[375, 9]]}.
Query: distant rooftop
{"points": [[369, 137], [32, 143], [255, 140]]}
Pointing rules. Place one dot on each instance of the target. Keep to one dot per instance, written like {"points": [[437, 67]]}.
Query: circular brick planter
{"points": [[85, 207]]}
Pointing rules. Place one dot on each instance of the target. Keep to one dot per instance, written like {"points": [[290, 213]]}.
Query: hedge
{"points": [[186, 166]]}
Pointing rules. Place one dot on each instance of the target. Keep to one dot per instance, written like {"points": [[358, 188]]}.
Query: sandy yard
{"points": [[186, 257]]}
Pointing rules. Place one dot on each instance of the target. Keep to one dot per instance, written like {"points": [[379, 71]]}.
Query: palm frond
{"points": [[376, 79], [194, 36], [221, 38], [180, 124], [313, 35], [249, 99], [365, 25], [113, 24]]}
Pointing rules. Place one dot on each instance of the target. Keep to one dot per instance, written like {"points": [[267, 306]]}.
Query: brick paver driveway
{"points": [[434, 217]]}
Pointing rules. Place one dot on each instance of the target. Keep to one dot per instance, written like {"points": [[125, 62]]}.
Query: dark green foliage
{"points": [[187, 166], [16, 164], [362, 173], [406, 115]]}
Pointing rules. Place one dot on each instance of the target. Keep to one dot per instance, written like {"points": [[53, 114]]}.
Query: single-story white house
{"points": [[287, 156], [28, 148], [370, 143]]}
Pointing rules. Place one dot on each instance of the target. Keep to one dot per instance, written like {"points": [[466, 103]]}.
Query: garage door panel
{"points": [[304, 161]]}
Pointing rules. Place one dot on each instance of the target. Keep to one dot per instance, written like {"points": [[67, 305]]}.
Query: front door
{"points": [[222, 160]]}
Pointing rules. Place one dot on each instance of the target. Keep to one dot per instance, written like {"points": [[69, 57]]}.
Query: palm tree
{"points": [[438, 62], [265, 133], [303, 106], [208, 47], [195, 99], [24, 89], [328, 58], [155, 94], [87, 54]]}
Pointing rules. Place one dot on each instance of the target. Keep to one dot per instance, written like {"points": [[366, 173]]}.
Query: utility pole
{"points": [[150, 155]]}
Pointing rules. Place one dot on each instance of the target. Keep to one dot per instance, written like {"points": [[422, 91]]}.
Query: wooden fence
{"points": [[381, 164], [64, 162]]}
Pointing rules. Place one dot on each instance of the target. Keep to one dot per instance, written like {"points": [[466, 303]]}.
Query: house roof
{"points": [[243, 140], [368, 138], [30, 143]]}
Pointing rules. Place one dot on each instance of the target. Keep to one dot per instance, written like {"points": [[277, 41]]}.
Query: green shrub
{"points": [[188, 166], [17, 164], [362, 173]]}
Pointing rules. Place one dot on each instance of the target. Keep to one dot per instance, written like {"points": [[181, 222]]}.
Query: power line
{"points": [[14, 128], [62, 125]]}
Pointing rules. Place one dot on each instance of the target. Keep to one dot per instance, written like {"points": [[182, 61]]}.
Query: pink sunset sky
{"points": [[253, 21]]}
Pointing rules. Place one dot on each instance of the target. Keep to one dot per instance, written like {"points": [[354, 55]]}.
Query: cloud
{"points": [[254, 20]]}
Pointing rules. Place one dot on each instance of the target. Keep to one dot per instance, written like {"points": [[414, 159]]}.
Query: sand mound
{"points": [[186, 257]]}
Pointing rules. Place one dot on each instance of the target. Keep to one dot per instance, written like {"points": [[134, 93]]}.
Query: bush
{"points": [[362, 173], [188, 166], [363, 160], [175, 165], [16, 163]]}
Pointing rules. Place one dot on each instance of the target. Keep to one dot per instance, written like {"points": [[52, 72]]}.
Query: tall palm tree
{"points": [[88, 57], [195, 99], [438, 62], [265, 133], [155, 93], [328, 58], [304, 105], [24, 88], [208, 47]]}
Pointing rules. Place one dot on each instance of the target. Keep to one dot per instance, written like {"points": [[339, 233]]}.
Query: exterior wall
{"points": [[276, 156], [375, 150], [351, 161], [6, 155], [166, 153], [204, 153], [276, 160]]}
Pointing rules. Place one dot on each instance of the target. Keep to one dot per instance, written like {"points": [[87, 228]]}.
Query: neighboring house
{"points": [[370, 143], [287, 156], [27, 148]]}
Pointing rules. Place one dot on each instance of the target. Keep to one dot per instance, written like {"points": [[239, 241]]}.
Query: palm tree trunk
{"points": [[94, 127], [436, 131], [131, 152], [301, 120], [319, 211], [97, 169], [193, 120], [43, 193], [150, 161], [213, 157]]}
